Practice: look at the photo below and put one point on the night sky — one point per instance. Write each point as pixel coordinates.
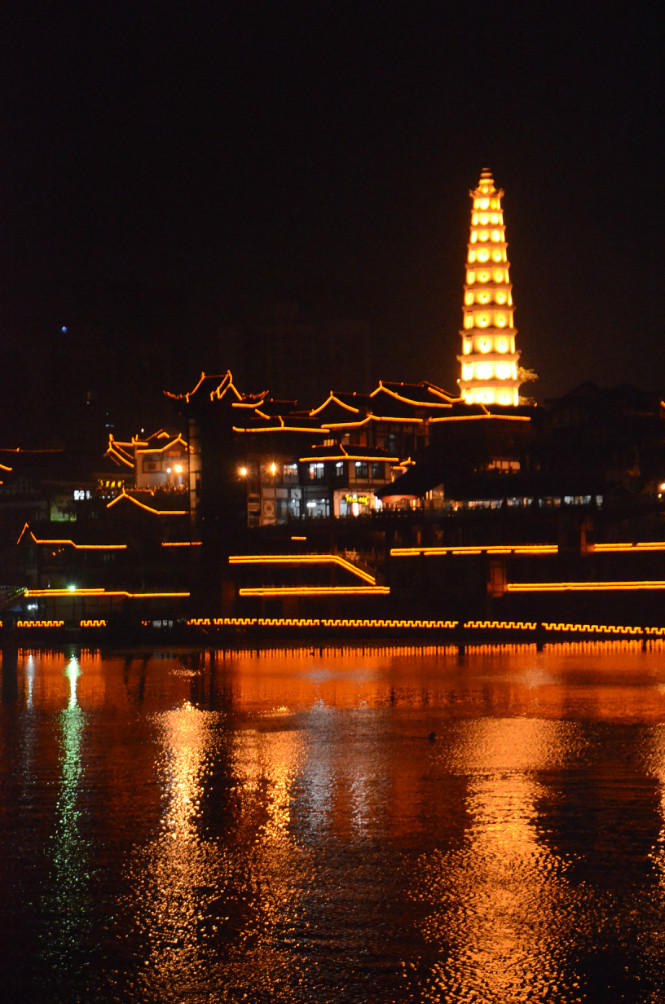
(170, 167)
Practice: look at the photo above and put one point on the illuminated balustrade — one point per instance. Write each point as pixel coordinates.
(577, 587)
(490, 549)
(75, 593)
(301, 559)
(314, 591)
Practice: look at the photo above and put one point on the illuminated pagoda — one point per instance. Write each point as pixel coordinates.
(489, 360)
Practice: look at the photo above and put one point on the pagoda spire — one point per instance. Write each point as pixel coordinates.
(489, 360)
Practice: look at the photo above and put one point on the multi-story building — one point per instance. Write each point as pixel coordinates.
(489, 360)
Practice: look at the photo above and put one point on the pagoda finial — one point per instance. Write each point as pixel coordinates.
(489, 360)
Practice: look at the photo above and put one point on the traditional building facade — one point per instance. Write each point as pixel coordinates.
(489, 360)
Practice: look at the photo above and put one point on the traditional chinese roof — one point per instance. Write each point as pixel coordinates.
(423, 394)
(388, 402)
(217, 388)
(260, 422)
(162, 504)
(340, 452)
(85, 535)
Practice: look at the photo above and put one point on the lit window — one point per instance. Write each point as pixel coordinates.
(503, 370)
(500, 297)
(474, 237)
(472, 255)
(483, 277)
(483, 254)
(468, 298)
(484, 345)
(484, 297)
(484, 371)
(496, 236)
(483, 320)
(498, 275)
(468, 321)
(497, 255)
(484, 203)
(467, 346)
(501, 345)
(483, 235)
(500, 320)
(470, 277)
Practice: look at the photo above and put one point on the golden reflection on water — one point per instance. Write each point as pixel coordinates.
(66, 898)
(175, 873)
(655, 764)
(303, 809)
(499, 901)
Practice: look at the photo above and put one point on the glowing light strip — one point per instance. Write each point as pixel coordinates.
(328, 622)
(612, 629)
(300, 559)
(656, 545)
(502, 625)
(181, 543)
(516, 549)
(281, 428)
(655, 633)
(39, 624)
(79, 547)
(408, 400)
(312, 459)
(74, 593)
(472, 418)
(315, 591)
(332, 398)
(162, 449)
(119, 456)
(148, 508)
(577, 587)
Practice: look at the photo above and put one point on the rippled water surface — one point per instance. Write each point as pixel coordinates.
(361, 825)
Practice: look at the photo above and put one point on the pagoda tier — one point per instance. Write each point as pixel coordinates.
(489, 360)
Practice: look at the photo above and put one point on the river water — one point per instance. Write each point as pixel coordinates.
(337, 825)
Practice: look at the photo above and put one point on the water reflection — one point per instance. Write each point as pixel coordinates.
(177, 874)
(386, 824)
(500, 903)
(67, 899)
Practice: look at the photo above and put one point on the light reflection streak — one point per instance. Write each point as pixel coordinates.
(174, 871)
(30, 677)
(498, 902)
(67, 899)
(198, 892)
(656, 767)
